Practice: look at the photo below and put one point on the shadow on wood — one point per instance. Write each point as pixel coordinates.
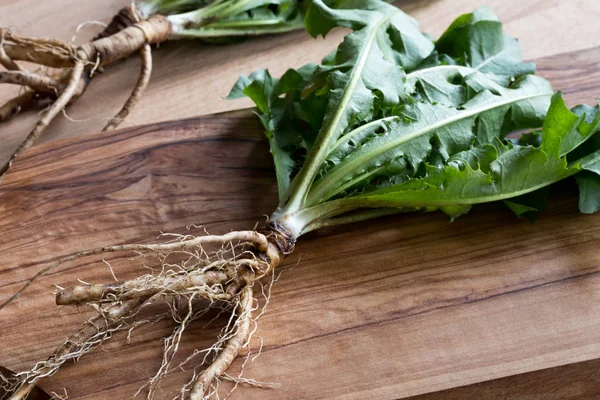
(36, 394)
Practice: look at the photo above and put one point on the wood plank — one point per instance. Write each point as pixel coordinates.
(196, 77)
(578, 381)
(398, 307)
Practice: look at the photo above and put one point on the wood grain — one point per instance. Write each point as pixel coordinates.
(578, 381)
(191, 78)
(399, 307)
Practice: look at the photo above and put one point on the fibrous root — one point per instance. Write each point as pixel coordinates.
(201, 278)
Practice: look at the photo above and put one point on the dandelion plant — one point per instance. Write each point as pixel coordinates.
(392, 121)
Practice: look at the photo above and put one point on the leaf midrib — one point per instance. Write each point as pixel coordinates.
(468, 201)
(335, 175)
(312, 164)
(459, 68)
(412, 75)
(571, 169)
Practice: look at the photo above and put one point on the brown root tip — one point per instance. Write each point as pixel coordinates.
(63, 297)
(123, 19)
(22, 102)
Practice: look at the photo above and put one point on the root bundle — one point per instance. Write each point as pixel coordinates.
(65, 71)
(222, 278)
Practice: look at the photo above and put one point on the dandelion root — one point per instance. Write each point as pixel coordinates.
(224, 276)
(127, 34)
(49, 114)
(92, 333)
(231, 350)
(138, 91)
(142, 287)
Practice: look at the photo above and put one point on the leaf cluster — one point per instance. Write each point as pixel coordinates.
(227, 20)
(394, 119)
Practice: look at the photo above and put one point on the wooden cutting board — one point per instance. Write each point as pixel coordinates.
(397, 307)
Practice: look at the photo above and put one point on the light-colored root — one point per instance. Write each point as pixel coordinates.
(215, 281)
(45, 52)
(49, 114)
(171, 343)
(37, 82)
(138, 91)
(224, 276)
(22, 392)
(93, 332)
(217, 368)
(156, 29)
(146, 286)
(251, 382)
(254, 238)
(5, 60)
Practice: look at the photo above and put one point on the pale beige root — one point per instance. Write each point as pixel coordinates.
(171, 343)
(213, 279)
(37, 82)
(93, 332)
(49, 114)
(225, 277)
(239, 379)
(138, 91)
(5, 60)
(46, 90)
(22, 392)
(217, 368)
(251, 382)
(257, 239)
(155, 29)
(146, 286)
(49, 53)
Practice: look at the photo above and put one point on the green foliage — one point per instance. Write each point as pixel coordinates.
(169, 7)
(501, 171)
(357, 82)
(219, 20)
(425, 133)
(589, 192)
(477, 40)
(290, 117)
(394, 119)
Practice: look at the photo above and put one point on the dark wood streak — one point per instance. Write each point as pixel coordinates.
(410, 313)
(578, 381)
(397, 307)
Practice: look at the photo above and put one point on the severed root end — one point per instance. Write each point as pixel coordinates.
(224, 277)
